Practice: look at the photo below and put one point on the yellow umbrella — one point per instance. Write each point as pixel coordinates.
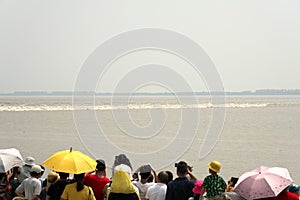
(69, 161)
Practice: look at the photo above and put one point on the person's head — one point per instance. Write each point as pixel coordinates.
(79, 180)
(145, 175)
(121, 159)
(214, 167)
(63, 175)
(145, 172)
(170, 176)
(222, 196)
(52, 177)
(135, 176)
(124, 168)
(29, 161)
(121, 182)
(182, 169)
(100, 165)
(16, 171)
(295, 189)
(162, 177)
(35, 171)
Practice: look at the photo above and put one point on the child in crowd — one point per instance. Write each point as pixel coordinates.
(213, 183)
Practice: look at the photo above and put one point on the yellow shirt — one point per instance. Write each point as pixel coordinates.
(71, 193)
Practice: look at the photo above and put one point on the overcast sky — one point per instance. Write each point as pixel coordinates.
(255, 44)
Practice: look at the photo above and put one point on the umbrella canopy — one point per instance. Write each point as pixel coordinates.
(263, 182)
(69, 161)
(10, 158)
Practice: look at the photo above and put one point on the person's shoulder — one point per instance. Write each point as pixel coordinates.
(292, 196)
(150, 184)
(105, 179)
(71, 185)
(151, 187)
(192, 182)
(208, 176)
(137, 183)
(134, 182)
(89, 176)
(160, 185)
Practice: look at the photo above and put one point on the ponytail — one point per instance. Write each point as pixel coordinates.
(79, 180)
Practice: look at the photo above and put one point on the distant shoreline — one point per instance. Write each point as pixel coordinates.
(244, 93)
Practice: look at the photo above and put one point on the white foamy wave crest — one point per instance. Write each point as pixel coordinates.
(21, 108)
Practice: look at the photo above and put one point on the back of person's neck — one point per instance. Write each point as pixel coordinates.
(181, 175)
(100, 174)
(143, 181)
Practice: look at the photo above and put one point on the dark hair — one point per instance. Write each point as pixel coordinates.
(145, 175)
(100, 165)
(63, 175)
(182, 167)
(79, 180)
(34, 174)
(170, 176)
(163, 177)
(15, 171)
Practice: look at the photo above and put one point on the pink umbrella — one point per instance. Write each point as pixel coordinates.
(263, 182)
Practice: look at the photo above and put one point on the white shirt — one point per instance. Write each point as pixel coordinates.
(31, 186)
(142, 188)
(157, 192)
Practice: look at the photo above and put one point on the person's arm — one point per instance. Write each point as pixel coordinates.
(19, 190)
(154, 174)
(204, 186)
(192, 176)
(229, 187)
(8, 175)
(105, 189)
(201, 194)
(19, 194)
(35, 197)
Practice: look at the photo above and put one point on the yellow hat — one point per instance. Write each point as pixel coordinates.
(215, 166)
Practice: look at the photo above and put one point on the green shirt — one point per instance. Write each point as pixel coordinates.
(214, 185)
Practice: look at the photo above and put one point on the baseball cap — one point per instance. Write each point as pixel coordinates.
(36, 169)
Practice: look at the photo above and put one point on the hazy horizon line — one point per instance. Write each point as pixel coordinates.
(81, 93)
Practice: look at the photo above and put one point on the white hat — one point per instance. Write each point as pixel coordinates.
(29, 161)
(36, 169)
(124, 167)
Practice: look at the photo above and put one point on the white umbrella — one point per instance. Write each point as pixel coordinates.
(10, 158)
